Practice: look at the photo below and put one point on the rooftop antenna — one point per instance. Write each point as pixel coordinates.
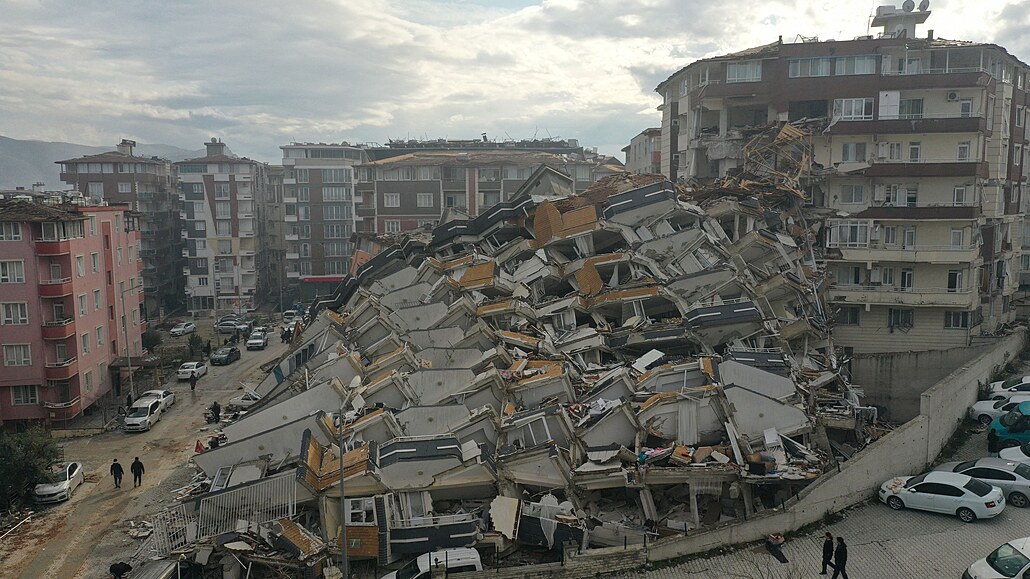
(869, 22)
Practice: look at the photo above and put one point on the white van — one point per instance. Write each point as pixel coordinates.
(289, 316)
(454, 560)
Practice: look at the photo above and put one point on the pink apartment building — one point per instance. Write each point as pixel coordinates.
(70, 291)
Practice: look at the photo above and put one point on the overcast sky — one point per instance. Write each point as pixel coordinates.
(259, 74)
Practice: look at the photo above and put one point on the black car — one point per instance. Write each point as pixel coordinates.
(225, 355)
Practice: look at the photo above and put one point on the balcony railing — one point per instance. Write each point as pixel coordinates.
(898, 289)
(62, 363)
(434, 520)
(947, 70)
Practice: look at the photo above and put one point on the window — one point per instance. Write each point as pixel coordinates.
(963, 151)
(852, 193)
(1017, 154)
(88, 375)
(223, 210)
(338, 248)
(12, 272)
(454, 174)
(22, 395)
(910, 238)
(92, 225)
(100, 336)
(803, 67)
(202, 281)
(96, 299)
(305, 250)
(124, 187)
(848, 316)
(335, 231)
(392, 226)
(304, 212)
(848, 234)
(455, 200)
(907, 278)
(96, 190)
(391, 200)
(334, 268)
(80, 265)
(857, 109)
(304, 194)
(747, 71)
(900, 318)
(221, 190)
(15, 313)
(853, 152)
(225, 247)
(887, 276)
(956, 319)
(848, 65)
(965, 107)
(428, 222)
(336, 194)
(1020, 116)
(118, 253)
(10, 231)
(82, 305)
(302, 175)
(914, 150)
(424, 200)
(910, 109)
(223, 228)
(361, 510)
(17, 355)
(890, 235)
(957, 237)
(336, 212)
(336, 175)
(955, 280)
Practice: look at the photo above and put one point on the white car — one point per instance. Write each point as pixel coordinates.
(457, 560)
(986, 411)
(1009, 560)
(244, 401)
(143, 415)
(183, 329)
(1004, 389)
(188, 369)
(1011, 477)
(66, 478)
(166, 397)
(257, 341)
(1020, 454)
(944, 492)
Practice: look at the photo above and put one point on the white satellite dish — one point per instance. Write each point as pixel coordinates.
(908, 6)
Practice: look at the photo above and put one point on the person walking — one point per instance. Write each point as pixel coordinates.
(993, 448)
(827, 553)
(137, 472)
(117, 471)
(840, 559)
(216, 410)
(193, 381)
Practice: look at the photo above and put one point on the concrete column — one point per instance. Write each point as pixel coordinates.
(693, 507)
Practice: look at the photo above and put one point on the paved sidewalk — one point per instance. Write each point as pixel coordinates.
(882, 544)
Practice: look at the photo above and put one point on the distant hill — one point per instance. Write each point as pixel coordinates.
(23, 163)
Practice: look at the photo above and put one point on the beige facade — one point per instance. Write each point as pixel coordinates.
(644, 154)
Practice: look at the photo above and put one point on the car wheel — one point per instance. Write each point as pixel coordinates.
(148, 426)
(1018, 500)
(966, 515)
(895, 503)
(1010, 444)
(984, 419)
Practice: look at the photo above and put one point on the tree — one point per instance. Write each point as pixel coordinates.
(26, 458)
(195, 344)
(151, 339)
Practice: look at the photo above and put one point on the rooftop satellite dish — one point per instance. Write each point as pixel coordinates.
(908, 6)
(924, 5)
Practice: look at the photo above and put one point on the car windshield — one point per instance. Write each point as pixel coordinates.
(409, 570)
(964, 465)
(978, 487)
(914, 481)
(1009, 420)
(59, 476)
(1023, 471)
(1025, 449)
(999, 404)
(1007, 560)
(222, 352)
(1012, 382)
(139, 412)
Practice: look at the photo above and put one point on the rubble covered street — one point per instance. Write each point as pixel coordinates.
(630, 363)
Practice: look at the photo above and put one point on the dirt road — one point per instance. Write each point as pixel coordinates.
(82, 537)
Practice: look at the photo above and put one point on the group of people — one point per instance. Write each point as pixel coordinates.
(835, 558)
(136, 468)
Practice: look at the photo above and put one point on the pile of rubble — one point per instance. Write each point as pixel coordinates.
(638, 361)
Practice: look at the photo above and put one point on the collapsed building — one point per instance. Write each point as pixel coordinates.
(633, 362)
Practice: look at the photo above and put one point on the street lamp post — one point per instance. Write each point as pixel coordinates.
(125, 330)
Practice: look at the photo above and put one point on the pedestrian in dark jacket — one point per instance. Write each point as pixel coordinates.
(216, 410)
(137, 472)
(992, 442)
(827, 553)
(840, 559)
(117, 471)
(193, 382)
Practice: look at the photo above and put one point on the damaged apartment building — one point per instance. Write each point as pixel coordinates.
(919, 150)
(609, 367)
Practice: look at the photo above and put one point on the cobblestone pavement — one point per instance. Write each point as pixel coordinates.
(882, 543)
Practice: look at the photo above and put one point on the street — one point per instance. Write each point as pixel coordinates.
(84, 536)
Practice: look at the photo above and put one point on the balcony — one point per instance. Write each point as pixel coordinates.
(290, 200)
(227, 290)
(929, 168)
(53, 247)
(247, 252)
(62, 370)
(63, 410)
(147, 252)
(59, 329)
(55, 288)
(290, 218)
(292, 255)
(879, 252)
(293, 275)
(926, 123)
(292, 237)
(889, 295)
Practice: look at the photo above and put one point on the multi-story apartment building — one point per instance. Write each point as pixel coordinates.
(146, 185)
(319, 215)
(71, 298)
(271, 262)
(219, 193)
(644, 152)
(918, 147)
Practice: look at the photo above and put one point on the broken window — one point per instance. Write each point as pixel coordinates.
(361, 510)
(900, 318)
(848, 316)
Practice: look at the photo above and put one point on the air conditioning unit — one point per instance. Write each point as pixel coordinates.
(952, 96)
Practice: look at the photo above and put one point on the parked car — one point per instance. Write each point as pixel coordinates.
(1011, 477)
(986, 411)
(1019, 453)
(183, 329)
(166, 397)
(244, 401)
(1013, 429)
(225, 355)
(1006, 388)
(232, 326)
(64, 479)
(1009, 560)
(289, 316)
(188, 369)
(944, 492)
(457, 560)
(257, 341)
(143, 415)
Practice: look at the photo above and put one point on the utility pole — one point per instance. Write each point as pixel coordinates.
(125, 330)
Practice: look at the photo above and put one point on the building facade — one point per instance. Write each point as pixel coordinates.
(219, 193)
(644, 152)
(72, 303)
(146, 185)
(918, 147)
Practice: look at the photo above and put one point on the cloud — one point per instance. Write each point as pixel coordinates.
(259, 73)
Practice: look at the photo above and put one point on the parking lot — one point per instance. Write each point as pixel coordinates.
(882, 543)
